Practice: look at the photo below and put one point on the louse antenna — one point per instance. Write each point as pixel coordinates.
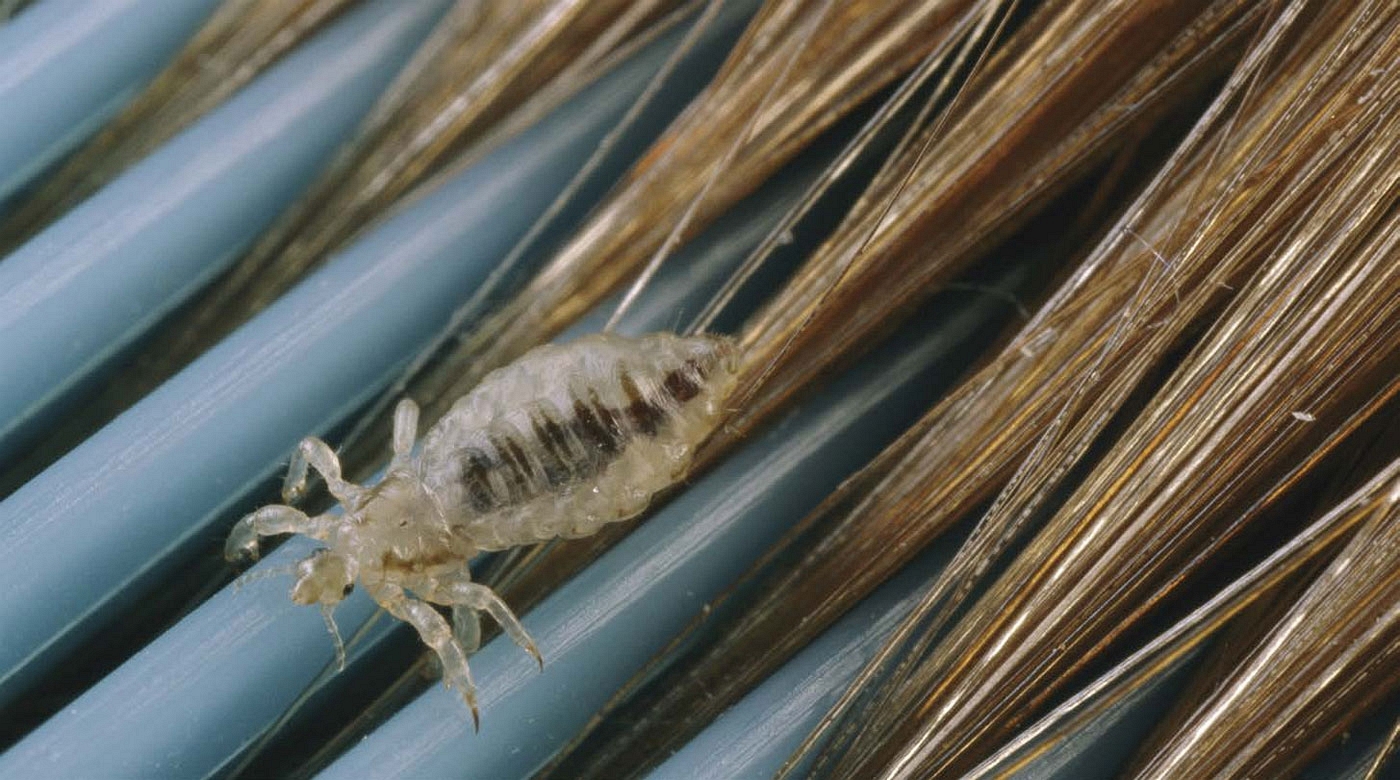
(833, 173)
(970, 43)
(328, 615)
(546, 220)
(674, 237)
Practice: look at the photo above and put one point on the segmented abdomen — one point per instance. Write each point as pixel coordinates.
(569, 438)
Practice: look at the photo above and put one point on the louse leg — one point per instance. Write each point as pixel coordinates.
(466, 626)
(405, 431)
(271, 520)
(436, 634)
(472, 595)
(318, 455)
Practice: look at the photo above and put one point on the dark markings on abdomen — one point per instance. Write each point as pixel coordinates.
(571, 450)
(680, 385)
(515, 468)
(596, 427)
(645, 415)
(476, 466)
(558, 456)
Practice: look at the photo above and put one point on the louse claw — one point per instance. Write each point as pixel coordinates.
(242, 543)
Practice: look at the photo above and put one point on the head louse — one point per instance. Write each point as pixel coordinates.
(557, 444)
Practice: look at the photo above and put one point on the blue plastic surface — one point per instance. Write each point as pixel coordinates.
(66, 66)
(77, 293)
(81, 539)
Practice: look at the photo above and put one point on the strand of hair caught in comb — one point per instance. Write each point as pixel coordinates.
(934, 609)
(985, 22)
(674, 237)
(833, 173)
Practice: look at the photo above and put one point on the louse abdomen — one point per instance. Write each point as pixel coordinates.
(570, 438)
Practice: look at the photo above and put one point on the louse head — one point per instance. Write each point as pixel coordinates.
(324, 577)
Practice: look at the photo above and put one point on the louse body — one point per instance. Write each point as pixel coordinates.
(561, 442)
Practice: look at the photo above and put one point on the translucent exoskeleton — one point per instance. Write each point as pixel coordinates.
(557, 444)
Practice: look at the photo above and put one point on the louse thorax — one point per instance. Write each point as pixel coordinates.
(398, 524)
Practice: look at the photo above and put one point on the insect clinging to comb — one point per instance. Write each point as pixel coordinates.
(557, 444)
